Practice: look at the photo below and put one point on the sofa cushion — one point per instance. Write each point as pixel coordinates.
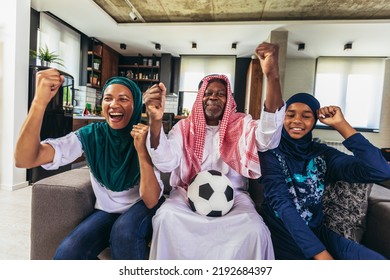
(58, 204)
(345, 208)
(377, 234)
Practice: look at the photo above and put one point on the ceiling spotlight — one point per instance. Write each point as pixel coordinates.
(234, 46)
(301, 46)
(194, 46)
(133, 16)
(348, 47)
(122, 46)
(157, 46)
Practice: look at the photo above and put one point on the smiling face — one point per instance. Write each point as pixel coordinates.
(214, 101)
(117, 105)
(299, 120)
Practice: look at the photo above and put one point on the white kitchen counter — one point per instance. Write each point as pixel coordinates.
(89, 117)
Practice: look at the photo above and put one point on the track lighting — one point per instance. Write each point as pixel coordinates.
(133, 16)
(234, 46)
(194, 46)
(157, 46)
(301, 46)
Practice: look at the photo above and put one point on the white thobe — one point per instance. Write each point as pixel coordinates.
(180, 233)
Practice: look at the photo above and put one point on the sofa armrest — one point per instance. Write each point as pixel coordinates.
(377, 235)
(58, 204)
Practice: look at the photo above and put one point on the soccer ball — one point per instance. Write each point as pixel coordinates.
(210, 193)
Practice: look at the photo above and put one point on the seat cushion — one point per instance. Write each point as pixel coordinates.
(58, 204)
(345, 207)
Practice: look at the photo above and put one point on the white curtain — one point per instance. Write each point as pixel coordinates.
(194, 68)
(63, 41)
(355, 84)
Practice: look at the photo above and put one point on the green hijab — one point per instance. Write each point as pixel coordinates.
(110, 153)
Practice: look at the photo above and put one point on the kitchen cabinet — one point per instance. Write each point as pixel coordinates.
(110, 62)
(94, 66)
(81, 121)
(145, 71)
(102, 63)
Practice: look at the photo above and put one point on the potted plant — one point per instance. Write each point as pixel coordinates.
(94, 79)
(98, 110)
(96, 63)
(46, 57)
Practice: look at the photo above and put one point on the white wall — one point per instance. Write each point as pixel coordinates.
(299, 77)
(14, 51)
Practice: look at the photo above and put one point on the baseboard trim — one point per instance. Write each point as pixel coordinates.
(14, 187)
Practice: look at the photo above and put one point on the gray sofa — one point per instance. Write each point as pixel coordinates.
(58, 204)
(62, 201)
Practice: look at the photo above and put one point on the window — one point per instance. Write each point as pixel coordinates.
(355, 85)
(63, 41)
(194, 68)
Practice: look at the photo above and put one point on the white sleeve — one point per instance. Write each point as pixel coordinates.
(67, 149)
(160, 182)
(167, 156)
(269, 129)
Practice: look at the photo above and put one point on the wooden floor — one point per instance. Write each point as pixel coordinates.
(15, 220)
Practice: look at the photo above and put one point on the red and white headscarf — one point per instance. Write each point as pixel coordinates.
(237, 150)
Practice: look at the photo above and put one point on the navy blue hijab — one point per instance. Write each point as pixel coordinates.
(303, 148)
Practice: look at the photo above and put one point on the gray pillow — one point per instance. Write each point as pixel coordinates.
(345, 208)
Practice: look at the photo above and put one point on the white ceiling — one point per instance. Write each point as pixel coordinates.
(322, 38)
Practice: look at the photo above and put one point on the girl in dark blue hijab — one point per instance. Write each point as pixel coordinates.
(294, 177)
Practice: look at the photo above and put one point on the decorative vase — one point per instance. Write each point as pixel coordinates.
(45, 63)
(94, 81)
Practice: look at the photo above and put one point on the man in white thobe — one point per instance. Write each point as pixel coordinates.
(214, 137)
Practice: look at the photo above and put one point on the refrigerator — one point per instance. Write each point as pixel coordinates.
(58, 118)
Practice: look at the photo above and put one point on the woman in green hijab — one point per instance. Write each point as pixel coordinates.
(128, 189)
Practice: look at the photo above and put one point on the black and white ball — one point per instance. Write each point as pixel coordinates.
(210, 193)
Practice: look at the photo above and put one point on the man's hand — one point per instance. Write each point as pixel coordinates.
(268, 55)
(47, 84)
(154, 99)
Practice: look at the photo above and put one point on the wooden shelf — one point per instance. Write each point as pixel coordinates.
(144, 80)
(93, 69)
(93, 86)
(139, 66)
(145, 75)
(94, 54)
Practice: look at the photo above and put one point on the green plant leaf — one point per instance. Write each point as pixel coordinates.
(46, 55)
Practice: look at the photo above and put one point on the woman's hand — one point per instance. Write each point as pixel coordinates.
(324, 255)
(139, 133)
(332, 116)
(149, 186)
(47, 84)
